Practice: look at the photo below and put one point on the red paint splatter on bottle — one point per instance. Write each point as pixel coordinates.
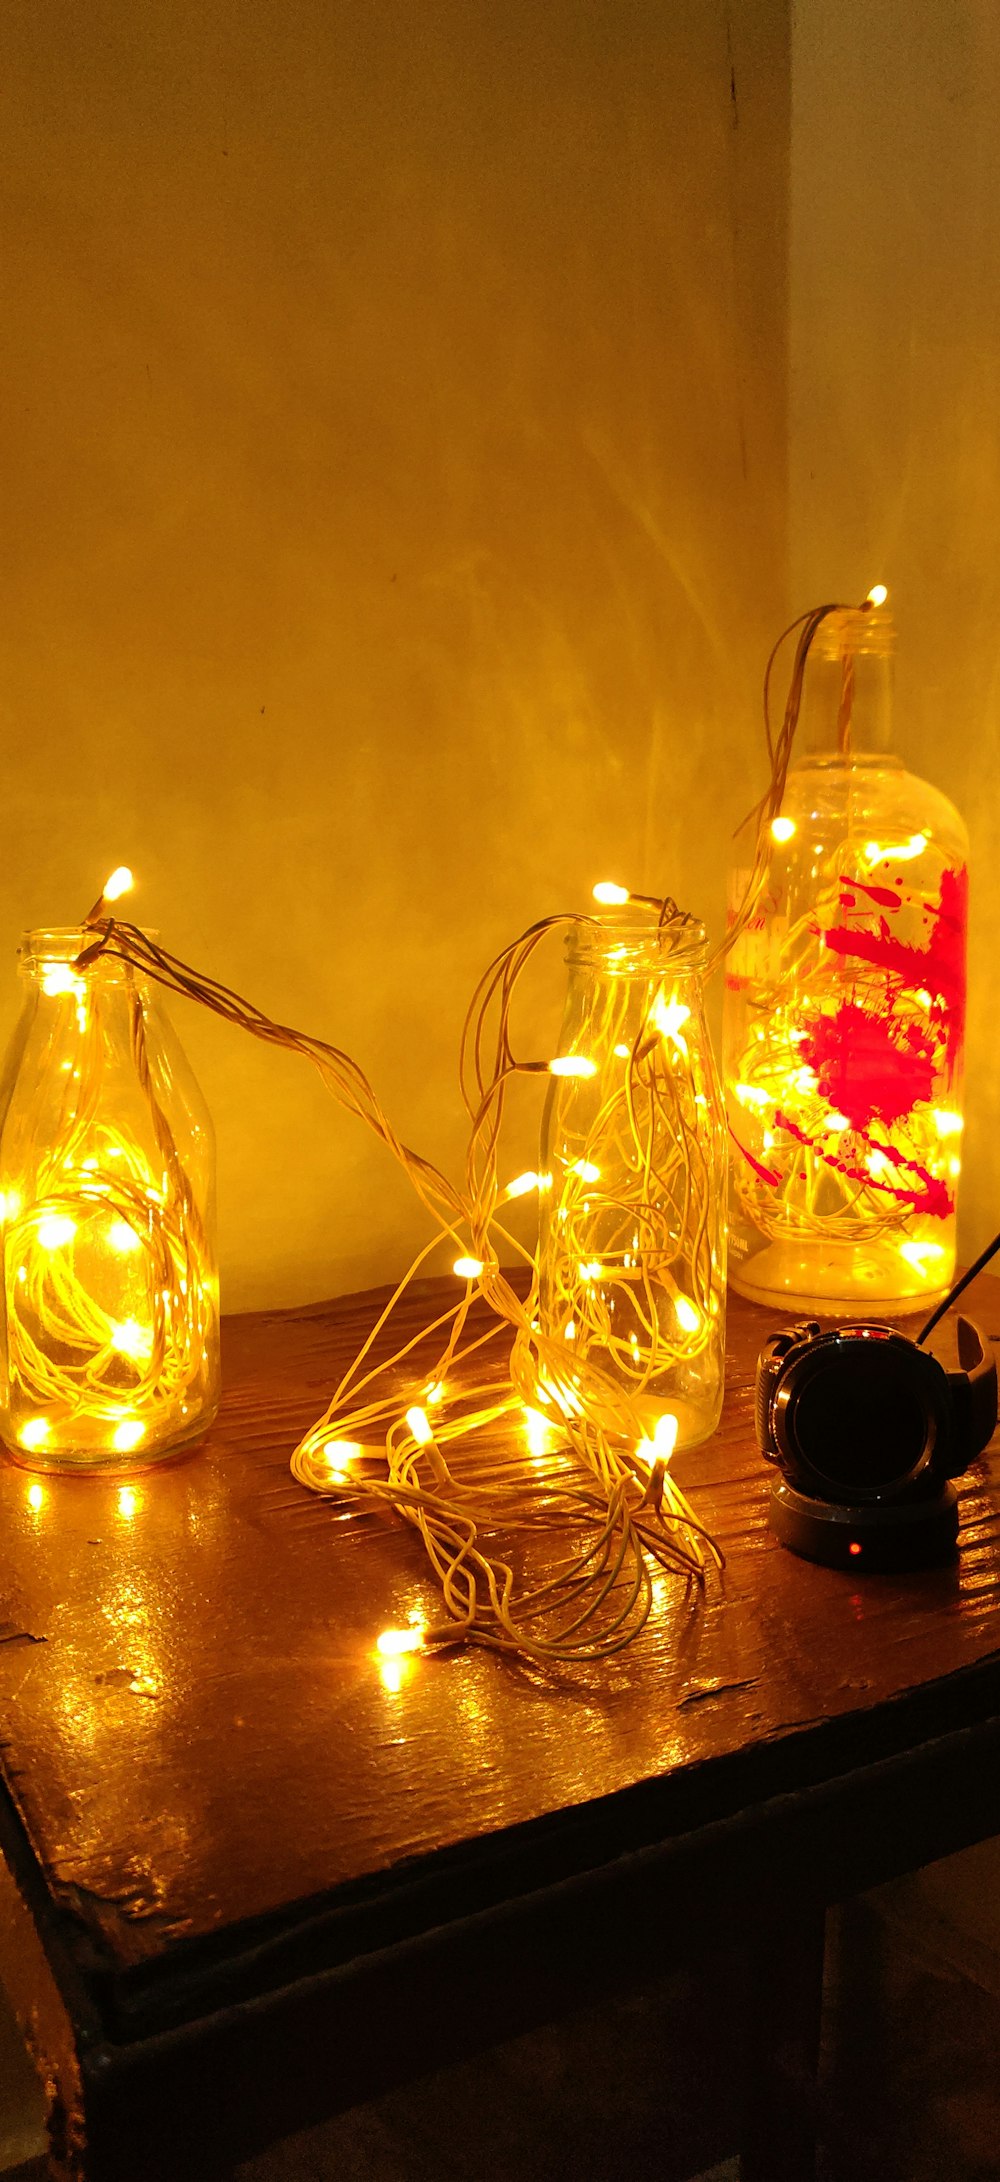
(925, 1194)
(938, 968)
(766, 1174)
(867, 1067)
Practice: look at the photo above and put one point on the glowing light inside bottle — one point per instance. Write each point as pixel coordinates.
(131, 1339)
(60, 979)
(921, 1255)
(128, 1435)
(668, 1017)
(123, 1237)
(55, 1231)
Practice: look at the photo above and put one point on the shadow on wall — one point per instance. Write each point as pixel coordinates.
(395, 513)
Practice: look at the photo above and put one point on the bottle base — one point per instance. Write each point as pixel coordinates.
(97, 1462)
(782, 1279)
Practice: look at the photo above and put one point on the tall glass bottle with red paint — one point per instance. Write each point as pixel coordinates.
(845, 1012)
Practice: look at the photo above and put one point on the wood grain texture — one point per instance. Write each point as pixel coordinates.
(202, 1759)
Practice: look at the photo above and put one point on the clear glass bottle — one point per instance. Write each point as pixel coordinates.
(632, 1243)
(845, 1010)
(109, 1342)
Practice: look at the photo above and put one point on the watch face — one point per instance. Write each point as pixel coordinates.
(858, 1418)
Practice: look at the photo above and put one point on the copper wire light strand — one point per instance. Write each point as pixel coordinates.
(456, 1481)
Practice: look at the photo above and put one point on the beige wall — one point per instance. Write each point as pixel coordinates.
(393, 517)
(895, 411)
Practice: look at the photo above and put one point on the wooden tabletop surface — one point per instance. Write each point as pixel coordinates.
(196, 1732)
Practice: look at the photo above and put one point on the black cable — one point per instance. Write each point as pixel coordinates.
(953, 1295)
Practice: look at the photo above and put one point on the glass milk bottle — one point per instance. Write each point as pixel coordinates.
(632, 1249)
(109, 1343)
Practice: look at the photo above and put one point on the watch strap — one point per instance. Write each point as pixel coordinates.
(973, 1391)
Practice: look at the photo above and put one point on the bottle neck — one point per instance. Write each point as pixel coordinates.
(630, 945)
(49, 960)
(847, 692)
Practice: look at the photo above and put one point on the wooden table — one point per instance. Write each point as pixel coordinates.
(247, 1884)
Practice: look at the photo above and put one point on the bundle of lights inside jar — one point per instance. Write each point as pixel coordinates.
(105, 1265)
(805, 1168)
(840, 1176)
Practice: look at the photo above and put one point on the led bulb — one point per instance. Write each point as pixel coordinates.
(782, 829)
(121, 882)
(667, 1016)
(877, 595)
(131, 1339)
(417, 1422)
(60, 979)
(128, 1434)
(687, 1314)
(664, 1440)
(536, 1431)
(35, 1433)
(468, 1268)
(522, 1183)
(612, 896)
(921, 1255)
(393, 1642)
(340, 1454)
(55, 1230)
(123, 1237)
(572, 1064)
(751, 1094)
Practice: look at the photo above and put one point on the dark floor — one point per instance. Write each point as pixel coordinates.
(646, 2086)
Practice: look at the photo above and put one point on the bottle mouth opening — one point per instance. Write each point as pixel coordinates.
(851, 633)
(629, 940)
(62, 944)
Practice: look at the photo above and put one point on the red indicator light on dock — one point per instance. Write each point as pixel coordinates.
(854, 1547)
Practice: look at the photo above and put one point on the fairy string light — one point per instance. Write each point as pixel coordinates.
(631, 1246)
(593, 1470)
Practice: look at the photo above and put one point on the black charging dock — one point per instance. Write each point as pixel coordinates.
(907, 1534)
